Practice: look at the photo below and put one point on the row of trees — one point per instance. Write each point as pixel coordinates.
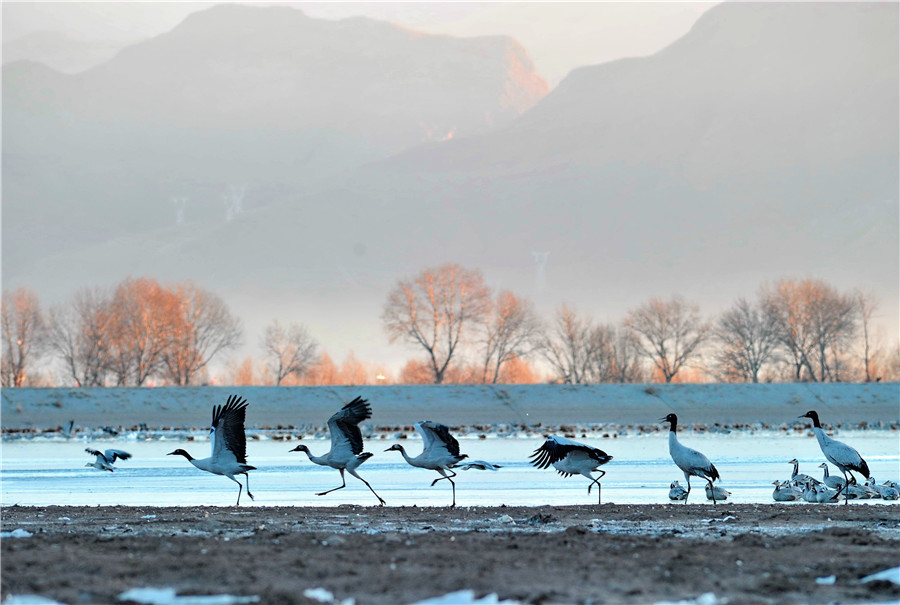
(802, 330)
(142, 333)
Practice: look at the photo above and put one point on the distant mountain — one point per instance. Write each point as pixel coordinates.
(763, 144)
(61, 52)
(236, 98)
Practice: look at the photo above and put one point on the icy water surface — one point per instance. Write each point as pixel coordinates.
(42, 472)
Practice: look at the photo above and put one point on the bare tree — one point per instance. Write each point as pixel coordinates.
(669, 333)
(205, 328)
(78, 336)
(624, 353)
(866, 304)
(512, 331)
(570, 346)
(436, 310)
(815, 323)
(747, 340)
(288, 351)
(23, 328)
(142, 318)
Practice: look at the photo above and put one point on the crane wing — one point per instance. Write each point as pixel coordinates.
(344, 426)
(556, 448)
(227, 431)
(437, 439)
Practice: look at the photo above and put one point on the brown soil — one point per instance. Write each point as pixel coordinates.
(578, 554)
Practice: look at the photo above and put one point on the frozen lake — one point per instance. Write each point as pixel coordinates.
(52, 472)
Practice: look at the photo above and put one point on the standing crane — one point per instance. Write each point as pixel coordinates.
(571, 458)
(440, 452)
(691, 462)
(346, 451)
(104, 460)
(839, 454)
(229, 444)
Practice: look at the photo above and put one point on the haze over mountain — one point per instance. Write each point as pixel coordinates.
(763, 144)
(235, 96)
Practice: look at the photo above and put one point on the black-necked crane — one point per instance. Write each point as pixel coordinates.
(229, 444)
(104, 460)
(691, 462)
(440, 452)
(346, 453)
(838, 453)
(572, 458)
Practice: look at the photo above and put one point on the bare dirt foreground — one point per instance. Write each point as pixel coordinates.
(578, 554)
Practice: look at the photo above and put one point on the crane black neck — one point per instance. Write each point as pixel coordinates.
(815, 418)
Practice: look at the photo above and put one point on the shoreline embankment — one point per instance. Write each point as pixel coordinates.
(868, 405)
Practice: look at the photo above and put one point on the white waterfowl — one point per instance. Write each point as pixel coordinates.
(785, 492)
(677, 492)
(104, 461)
(229, 444)
(809, 493)
(832, 481)
(691, 462)
(440, 452)
(480, 465)
(889, 491)
(800, 478)
(838, 453)
(346, 453)
(719, 494)
(825, 495)
(571, 458)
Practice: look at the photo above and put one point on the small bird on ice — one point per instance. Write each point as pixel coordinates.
(104, 460)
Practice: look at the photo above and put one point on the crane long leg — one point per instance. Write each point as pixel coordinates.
(688, 477)
(343, 481)
(247, 480)
(712, 490)
(845, 488)
(240, 488)
(441, 471)
(367, 485)
(448, 478)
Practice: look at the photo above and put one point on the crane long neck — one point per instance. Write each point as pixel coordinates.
(315, 459)
(405, 455)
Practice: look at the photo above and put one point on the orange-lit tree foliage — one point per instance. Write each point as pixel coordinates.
(23, 328)
(437, 310)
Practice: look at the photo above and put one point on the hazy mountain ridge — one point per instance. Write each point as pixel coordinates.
(237, 95)
(59, 51)
(762, 144)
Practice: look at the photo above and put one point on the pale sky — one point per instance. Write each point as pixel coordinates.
(559, 36)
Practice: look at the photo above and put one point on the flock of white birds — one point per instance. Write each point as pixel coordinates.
(441, 453)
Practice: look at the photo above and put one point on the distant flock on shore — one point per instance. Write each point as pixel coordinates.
(441, 453)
